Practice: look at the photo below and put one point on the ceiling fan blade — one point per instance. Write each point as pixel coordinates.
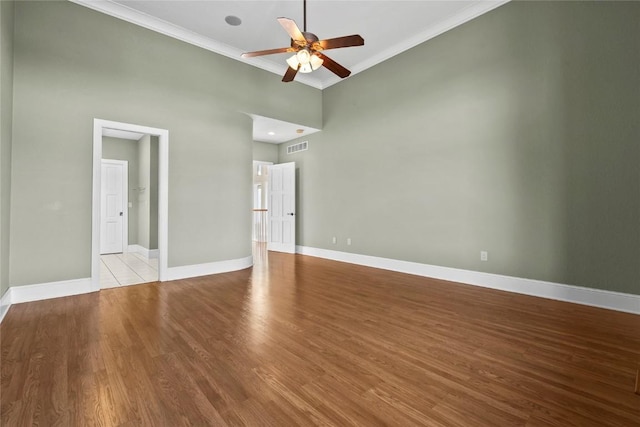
(346, 41)
(268, 52)
(290, 74)
(292, 29)
(333, 66)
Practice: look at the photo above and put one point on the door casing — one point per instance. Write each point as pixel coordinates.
(163, 194)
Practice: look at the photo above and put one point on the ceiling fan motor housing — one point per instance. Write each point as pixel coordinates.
(310, 39)
(308, 50)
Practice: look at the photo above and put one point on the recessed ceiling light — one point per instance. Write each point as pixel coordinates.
(233, 20)
(299, 130)
(272, 133)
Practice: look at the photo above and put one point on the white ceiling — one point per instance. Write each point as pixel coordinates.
(388, 27)
(266, 129)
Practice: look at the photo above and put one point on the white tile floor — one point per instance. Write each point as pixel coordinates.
(127, 269)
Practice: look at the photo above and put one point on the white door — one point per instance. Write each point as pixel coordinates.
(282, 208)
(112, 207)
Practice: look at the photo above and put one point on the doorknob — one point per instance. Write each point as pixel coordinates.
(120, 213)
(291, 213)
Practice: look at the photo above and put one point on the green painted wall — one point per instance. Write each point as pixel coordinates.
(6, 115)
(265, 152)
(72, 65)
(517, 133)
(126, 149)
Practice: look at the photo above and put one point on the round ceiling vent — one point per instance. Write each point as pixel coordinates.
(233, 20)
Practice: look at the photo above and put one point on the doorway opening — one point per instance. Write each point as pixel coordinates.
(145, 240)
(129, 209)
(260, 221)
(274, 205)
(259, 231)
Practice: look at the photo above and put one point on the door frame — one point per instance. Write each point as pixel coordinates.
(163, 194)
(125, 200)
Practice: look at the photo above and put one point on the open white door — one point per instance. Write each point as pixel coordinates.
(112, 212)
(282, 208)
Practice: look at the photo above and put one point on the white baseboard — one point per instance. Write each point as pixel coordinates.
(5, 303)
(576, 294)
(49, 290)
(42, 291)
(147, 253)
(187, 271)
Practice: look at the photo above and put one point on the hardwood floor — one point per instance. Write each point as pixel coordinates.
(305, 341)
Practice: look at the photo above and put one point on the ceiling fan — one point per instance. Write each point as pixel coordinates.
(308, 50)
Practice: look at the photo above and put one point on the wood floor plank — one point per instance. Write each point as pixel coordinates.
(303, 341)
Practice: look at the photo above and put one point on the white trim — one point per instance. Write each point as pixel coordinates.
(163, 27)
(471, 12)
(147, 253)
(42, 291)
(196, 270)
(5, 304)
(168, 29)
(163, 194)
(618, 301)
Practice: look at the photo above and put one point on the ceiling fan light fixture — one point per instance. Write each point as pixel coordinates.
(305, 68)
(316, 62)
(307, 47)
(305, 61)
(304, 56)
(293, 62)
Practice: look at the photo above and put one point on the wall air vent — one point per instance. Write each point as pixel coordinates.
(300, 146)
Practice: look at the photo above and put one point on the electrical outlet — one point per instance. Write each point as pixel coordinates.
(484, 256)
(349, 241)
(334, 240)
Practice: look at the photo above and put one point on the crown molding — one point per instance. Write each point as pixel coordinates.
(168, 29)
(163, 27)
(457, 19)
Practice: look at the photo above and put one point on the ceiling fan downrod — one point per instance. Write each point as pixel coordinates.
(308, 50)
(304, 12)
